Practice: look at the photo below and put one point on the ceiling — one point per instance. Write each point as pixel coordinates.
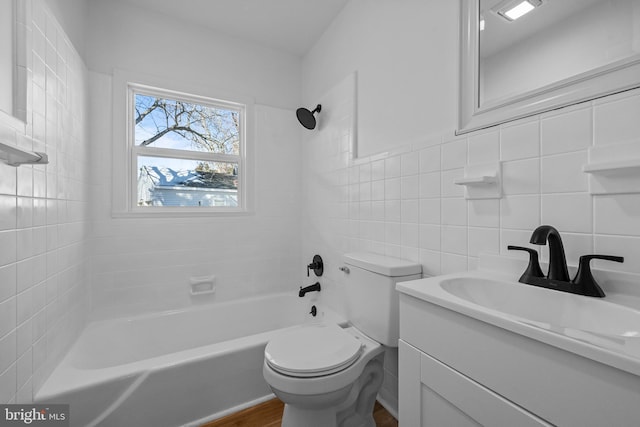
(289, 25)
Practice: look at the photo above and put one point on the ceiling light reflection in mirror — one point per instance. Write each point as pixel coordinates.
(554, 41)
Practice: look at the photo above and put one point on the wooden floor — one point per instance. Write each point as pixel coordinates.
(269, 414)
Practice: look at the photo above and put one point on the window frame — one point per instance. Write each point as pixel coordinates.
(125, 181)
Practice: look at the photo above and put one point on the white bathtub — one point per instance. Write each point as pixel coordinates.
(174, 368)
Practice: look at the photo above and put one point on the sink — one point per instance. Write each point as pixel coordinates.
(545, 308)
(602, 329)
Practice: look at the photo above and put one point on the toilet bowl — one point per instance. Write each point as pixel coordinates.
(326, 375)
(329, 376)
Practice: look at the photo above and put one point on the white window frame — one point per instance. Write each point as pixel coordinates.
(125, 154)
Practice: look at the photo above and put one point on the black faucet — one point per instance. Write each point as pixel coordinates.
(558, 276)
(557, 260)
(310, 288)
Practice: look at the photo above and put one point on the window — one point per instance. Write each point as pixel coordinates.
(187, 152)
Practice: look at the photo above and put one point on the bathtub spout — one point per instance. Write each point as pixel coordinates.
(310, 288)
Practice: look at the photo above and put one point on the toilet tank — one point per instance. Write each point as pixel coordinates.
(372, 300)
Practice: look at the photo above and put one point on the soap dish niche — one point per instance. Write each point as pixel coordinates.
(204, 285)
(482, 181)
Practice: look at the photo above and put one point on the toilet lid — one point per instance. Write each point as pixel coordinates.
(312, 350)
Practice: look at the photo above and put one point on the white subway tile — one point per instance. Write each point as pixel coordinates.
(8, 212)
(392, 210)
(392, 167)
(8, 254)
(454, 240)
(365, 172)
(627, 247)
(454, 154)
(377, 170)
(451, 263)
(484, 213)
(430, 261)
(617, 121)
(570, 212)
(618, 214)
(430, 159)
(566, 132)
(449, 189)
(8, 384)
(485, 240)
(410, 187)
(430, 184)
(563, 173)
(392, 189)
(7, 350)
(410, 211)
(484, 148)
(410, 235)
(410, 164)
(521, 141)
(430, 211)
(393, 233)
(454, 211)
(377, 190)
(521, 177)
(430, 237)
(520, 212)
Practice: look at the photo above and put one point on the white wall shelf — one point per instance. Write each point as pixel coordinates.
(14, 156)
(614, 168)
(482, 181)
(476, 180)
(621, 166)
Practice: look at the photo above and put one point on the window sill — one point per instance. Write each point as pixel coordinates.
(182, 212)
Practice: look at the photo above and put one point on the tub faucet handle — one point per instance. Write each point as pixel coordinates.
(317, 266)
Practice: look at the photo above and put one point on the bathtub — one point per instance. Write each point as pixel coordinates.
(179, 368)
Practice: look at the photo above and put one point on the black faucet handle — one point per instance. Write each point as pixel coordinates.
(533, 269)
(317, 266)
(585, 281)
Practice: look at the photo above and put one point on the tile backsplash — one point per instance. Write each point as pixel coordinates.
(43, 213)
(404, 203)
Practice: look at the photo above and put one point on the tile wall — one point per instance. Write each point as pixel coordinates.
(142, 265)
(43, 212)
(404, 203)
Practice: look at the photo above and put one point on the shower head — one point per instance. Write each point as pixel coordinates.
(306, 117)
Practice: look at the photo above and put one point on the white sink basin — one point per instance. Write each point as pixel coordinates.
(603, 329)
(545, 308)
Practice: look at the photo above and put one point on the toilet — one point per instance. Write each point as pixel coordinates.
(328, 375)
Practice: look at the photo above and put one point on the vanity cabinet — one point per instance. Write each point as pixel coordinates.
(455, 370)
(436, 396)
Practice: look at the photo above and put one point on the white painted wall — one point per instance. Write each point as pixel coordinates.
(125, 36)
(144, 264)
(402, 202)
(73, 16)
(44, 216)
(406, 57)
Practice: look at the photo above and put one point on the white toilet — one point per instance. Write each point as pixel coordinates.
(328, 375)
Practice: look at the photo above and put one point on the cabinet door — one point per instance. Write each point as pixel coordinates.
(437, 396)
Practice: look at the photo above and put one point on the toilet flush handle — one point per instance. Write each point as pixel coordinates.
(344, 269)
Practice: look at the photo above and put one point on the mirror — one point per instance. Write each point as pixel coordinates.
(560, 53)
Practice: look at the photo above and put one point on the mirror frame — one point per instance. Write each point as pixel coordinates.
(612, 78)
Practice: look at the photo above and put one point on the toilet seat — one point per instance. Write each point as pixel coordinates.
(313, 351)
